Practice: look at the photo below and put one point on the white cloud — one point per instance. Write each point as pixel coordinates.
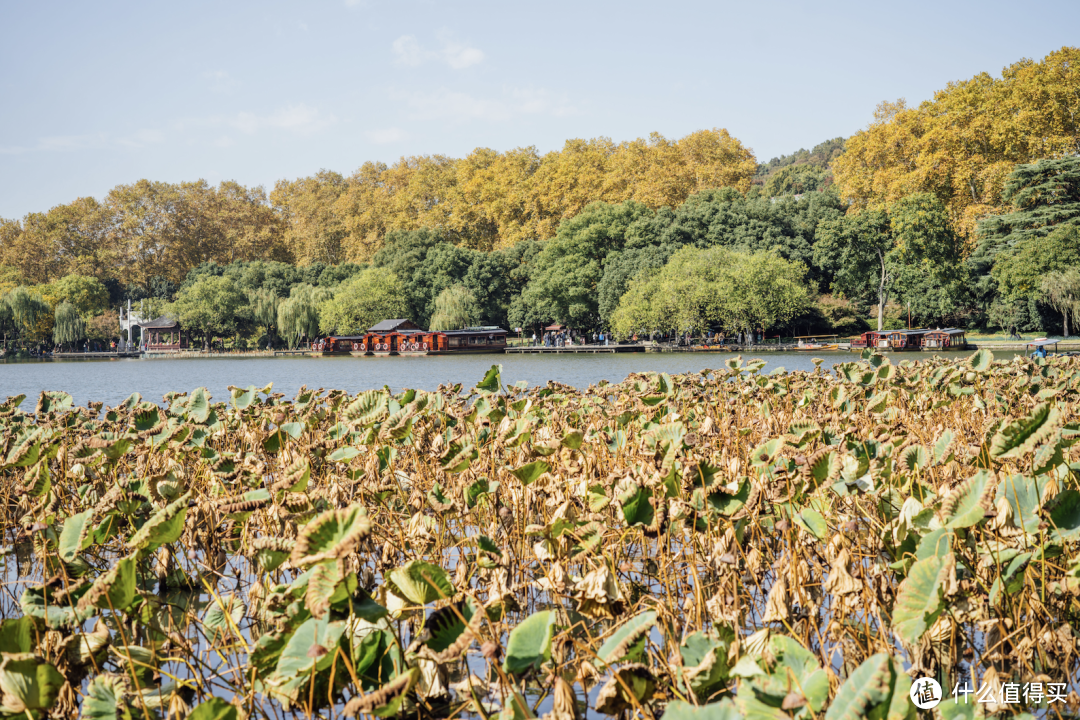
(300, 119)
(459, 56)
(514, 102)
(409, 52)
(386, 135)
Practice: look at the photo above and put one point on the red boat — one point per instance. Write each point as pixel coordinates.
(402, 337)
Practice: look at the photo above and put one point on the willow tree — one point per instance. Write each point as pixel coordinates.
(68, 325)
(264, 310)
(298, 316)
(27, 307)
(455, 308)
(1062, 292)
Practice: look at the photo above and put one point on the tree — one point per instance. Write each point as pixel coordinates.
(359, 303)
(871, 251)
(858, 249)
(104, 327)
(209, 307)
(27, 309)
(699, 288)
(563, 285)
(961, 145)
(455, 308)
(264, 311)
(1044, 196)
(764, 290)
(1062, 292)
(87, 294)
(298, 316)
(68, 326)
(1016, 276)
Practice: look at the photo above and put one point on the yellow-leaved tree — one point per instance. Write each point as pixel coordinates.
(961, 145)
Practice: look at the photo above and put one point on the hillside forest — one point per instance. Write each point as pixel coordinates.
(961, 211)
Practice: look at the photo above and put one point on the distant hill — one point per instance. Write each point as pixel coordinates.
(801, 171)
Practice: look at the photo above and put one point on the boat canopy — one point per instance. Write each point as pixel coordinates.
(1042, 342)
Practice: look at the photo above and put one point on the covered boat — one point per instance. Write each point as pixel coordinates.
(901, 339)
(336, 344)
(471, 340)
(946, 339)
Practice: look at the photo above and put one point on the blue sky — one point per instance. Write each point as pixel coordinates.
(105, 93)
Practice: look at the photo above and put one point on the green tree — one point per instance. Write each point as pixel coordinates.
(1017, 274)
(263, 304)
(870, 251)
(455, 308)
(764, 291)
(87, 294)
(298, 316)
(362, 301)
(858, 250)
(563, 286)
(1062, 292)
(27, 309)
(209, 308)
(699, 288)
(68, 325)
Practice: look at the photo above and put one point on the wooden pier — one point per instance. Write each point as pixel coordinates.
(574, 349)
(98, 355)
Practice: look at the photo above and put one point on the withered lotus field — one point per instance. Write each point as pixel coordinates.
(707, 546)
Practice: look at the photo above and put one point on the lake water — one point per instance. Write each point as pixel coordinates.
(110, 381)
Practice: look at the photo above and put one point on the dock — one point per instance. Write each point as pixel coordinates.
(89, 355)
(574, 349)
(657, 348)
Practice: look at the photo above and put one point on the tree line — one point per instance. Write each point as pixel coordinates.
(962, 211)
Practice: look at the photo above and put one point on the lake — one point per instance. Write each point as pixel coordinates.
(110, 381)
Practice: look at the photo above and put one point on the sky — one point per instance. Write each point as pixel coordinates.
(94, 95)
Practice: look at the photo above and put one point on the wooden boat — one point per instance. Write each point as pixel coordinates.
(947, 339)
(334, 345)
(402, 337)
(810, 343)
(867, 340)
(471, 341)
(900, 339)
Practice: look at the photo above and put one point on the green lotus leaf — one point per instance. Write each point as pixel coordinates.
(331, 536)
(872, 685)
(223, 616)
(530, 473)
(28, 684)
(964, 508)
(1021, 437)
(723, 710)
(163, 527)
(421, 582)
(981, 361)
(214, 708)
(114, 589)
(492, 381)
(529, 645)
(627, 642)
(919, 599)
